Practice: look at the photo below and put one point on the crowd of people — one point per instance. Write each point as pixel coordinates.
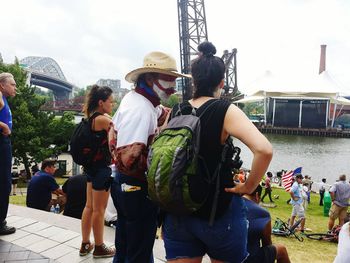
(240, 230)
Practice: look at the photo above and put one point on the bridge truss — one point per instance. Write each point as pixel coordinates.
(45, 72)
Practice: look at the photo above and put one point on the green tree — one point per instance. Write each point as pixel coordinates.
(81, 92)
(36, 134)
(48, 95)
(253, 108)
(172, 101)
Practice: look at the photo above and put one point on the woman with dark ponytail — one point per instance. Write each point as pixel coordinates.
(189, 238)
(98, 106)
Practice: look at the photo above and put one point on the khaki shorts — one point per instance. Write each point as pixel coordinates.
(337, 211)
(298, 210)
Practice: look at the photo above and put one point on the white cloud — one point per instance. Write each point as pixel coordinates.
(105, 39)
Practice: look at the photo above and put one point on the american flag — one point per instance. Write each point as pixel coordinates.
(287, 178)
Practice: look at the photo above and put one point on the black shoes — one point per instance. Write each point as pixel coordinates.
(6, 230)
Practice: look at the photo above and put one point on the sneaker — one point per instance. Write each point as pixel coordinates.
(7, 230)
(86, 248)
(103, 251)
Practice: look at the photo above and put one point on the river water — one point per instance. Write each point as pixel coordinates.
(319, 157)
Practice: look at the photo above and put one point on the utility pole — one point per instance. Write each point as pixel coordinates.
(192, 32)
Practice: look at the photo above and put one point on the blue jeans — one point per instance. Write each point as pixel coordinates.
(137, 220)
(225, 240)
(5, 175)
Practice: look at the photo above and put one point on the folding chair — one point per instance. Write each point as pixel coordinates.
(280, 228)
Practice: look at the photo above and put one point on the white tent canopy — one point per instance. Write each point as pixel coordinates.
(319, 86)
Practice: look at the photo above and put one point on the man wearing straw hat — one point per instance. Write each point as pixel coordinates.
(7, 89)
(135, 124)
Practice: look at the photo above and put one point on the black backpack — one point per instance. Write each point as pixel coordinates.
(83, 144)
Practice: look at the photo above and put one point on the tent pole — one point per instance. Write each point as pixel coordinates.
(342, 106)
(334, 110)
(273, 113)
(327, 110)
(265, 107)
(300, 112)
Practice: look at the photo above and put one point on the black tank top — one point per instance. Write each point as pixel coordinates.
(212, 122)
(103, 155)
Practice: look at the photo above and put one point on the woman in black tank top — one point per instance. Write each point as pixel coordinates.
(98, 105)
(189, 238)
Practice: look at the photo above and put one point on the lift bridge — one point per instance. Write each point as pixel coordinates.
(45, 72)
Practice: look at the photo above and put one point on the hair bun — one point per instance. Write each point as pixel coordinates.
(207, 48)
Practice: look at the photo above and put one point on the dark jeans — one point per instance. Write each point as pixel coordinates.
(267, 192)
(137, 220)
(321, 197)
(5, 175)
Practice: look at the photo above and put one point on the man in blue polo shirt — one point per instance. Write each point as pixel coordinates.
(340, 195)
(7, 89)
(297, 201)
(42, 186)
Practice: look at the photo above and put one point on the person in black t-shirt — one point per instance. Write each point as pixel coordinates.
(259, 232)
(75, 190)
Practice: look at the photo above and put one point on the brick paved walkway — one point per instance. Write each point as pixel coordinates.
(12, 253)
(47, 237)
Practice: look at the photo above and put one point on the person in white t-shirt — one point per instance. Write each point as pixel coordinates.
(343, 254)
(322, 190)
(305, 192)
(135, 125)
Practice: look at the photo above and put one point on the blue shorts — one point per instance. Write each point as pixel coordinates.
(100, 178)
(225, 240)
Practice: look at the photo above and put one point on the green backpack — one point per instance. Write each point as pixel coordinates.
(173, 158)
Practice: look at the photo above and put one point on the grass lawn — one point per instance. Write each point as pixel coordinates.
(311, 251)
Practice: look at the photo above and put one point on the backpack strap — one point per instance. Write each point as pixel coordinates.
(92, 118)
(180, 108)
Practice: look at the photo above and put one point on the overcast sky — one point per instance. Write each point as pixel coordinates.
(93, 39)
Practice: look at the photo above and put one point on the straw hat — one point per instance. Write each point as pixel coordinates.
(157, 62)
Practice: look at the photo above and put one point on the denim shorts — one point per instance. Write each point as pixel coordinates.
(100, 178)
(225, 240)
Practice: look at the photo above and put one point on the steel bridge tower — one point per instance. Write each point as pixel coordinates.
(230, 89)
(192, 32)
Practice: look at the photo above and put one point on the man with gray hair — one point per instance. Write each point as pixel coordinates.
(7, 89)
(340, 194)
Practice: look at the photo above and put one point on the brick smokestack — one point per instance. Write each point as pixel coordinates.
(323, 59)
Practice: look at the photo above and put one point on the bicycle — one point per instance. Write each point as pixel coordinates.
(331, 236)
(280, 228)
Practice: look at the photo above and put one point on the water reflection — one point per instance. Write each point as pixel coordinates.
(320, 157)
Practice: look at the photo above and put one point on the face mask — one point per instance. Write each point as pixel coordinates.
(164, 88)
